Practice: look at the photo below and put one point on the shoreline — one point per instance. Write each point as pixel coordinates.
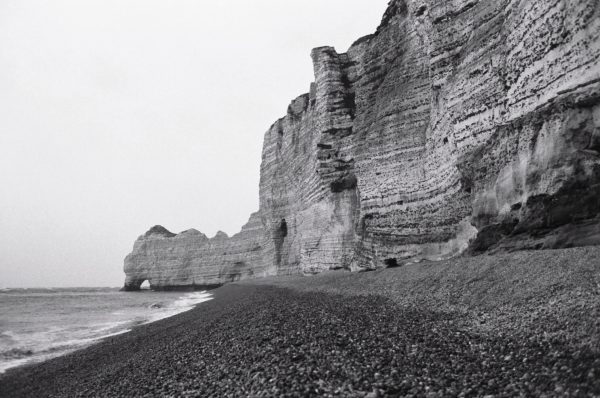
(79, 336)
(173, 288)
(41, 358)
(521, 323)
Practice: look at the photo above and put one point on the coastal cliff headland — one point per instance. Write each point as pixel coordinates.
(457, 127)
(455, 153)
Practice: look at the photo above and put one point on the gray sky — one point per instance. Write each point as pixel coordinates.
(116, 115)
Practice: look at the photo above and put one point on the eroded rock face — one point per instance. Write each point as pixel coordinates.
(190, 260)
(457, 125)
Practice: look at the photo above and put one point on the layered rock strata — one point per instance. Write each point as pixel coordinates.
(190, 260)
(458, 125)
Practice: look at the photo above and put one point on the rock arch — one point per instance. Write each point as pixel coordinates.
(135, 285)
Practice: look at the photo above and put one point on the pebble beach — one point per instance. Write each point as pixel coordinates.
(467, 327)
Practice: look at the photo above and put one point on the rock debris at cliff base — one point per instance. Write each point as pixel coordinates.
(458, 126)
(361, 335)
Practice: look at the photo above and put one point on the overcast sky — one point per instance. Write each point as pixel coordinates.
(116, 115)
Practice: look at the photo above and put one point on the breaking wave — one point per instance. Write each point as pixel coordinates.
(81, 317)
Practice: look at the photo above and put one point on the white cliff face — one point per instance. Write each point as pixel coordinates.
(190, 260)
(458, 124)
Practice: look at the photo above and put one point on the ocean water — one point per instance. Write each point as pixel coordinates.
(38, 324)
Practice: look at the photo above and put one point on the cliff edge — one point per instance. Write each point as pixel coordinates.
(458, 126)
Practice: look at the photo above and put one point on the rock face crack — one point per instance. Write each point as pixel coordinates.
(466, 125)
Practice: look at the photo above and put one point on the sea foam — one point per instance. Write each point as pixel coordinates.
(39, 324)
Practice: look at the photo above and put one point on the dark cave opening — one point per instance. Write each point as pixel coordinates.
(279, 236)
(391, 263)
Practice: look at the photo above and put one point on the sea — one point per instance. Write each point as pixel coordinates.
(39, 324)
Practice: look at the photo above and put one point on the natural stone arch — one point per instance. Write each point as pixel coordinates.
(145, 285)
(135, 285)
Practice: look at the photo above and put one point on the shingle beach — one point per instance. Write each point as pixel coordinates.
(419, 330)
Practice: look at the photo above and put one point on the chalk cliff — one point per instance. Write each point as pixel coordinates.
(458, 126)
(191, 260)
